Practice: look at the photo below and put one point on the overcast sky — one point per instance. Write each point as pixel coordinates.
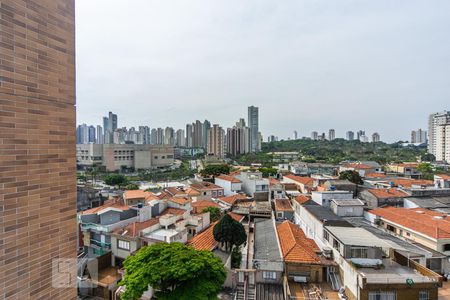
(308, 65)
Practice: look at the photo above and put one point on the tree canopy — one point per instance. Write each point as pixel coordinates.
(132, 186)
(214, 213)
(351, 176)
(215, 170)
(229, 232)
(175, 271)
(116, 179)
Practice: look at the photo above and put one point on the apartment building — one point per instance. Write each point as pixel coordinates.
(435, 133)
(304, 184)
(230, 184)
(117, 156)
(254, 185)
(38, 201)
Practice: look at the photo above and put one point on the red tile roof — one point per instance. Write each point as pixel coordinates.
(302, 180)
(137, 194)
(173, 211)
(357, 166)
(273, 181)
(388, 193)
(107, 204)
(405, 165)
(133, 229)
(204, 240)
(444, 176)
(233, 198)
(295, 246)
(427, 222)
(205, 186)
(179, 200)
(375, 175)
(300, 199)
(229, 178)
(283, 205)
(200, 205)
(407, 183)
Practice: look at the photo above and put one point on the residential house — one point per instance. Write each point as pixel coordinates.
(200, 205)
(423, 226)
(371, 269)
(347, 208)
(340, 185)
(304, 184)
(230, 184)
(254, 185)
(207, 190)
(283, 209)
(324, 197)
(276, 189)
(267, 259)
(229, 201)
(359, 167)
(442, 181)
(404, 169)
(135, 197)
(381, 197)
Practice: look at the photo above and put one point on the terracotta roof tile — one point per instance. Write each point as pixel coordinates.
(283, 205)
(107, 204)
(408, 183)
(236, 217)
(233, 198)
(295, 246)
(444, 176)
(204, 240)
(136, 194)
(202, 186)
(173, 211)
(229, 178)
(388, 193)
(133, 229)
(302, 199)
(421, 220)
(375, 175)
(308, 181)
(357, 166)
(179, 200)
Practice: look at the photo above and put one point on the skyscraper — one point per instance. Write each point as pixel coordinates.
(197, 134)
(91, 134)
(38, 188)
(295, 135)
(180, 138)
(442, 145)
(216, 141)
(189, 137)
(314, 135)
(350, 135)
(206, 127)
(253, 124)
(418, 136)
(99, 134)
(112, 122)
(331, 134)
(359, 134)
(375, 137)
(434, 121)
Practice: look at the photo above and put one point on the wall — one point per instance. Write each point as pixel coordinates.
(37, 145)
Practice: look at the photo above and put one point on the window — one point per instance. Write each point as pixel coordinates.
(359, 252)
(382, 295)
(269, 275)
(446, 247)
(280, 215)
(125, 245)
(336, 245)
(424, 295)
(326, 236)
(390, 228)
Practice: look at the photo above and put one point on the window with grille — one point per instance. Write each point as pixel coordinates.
(424, 295)
(359, 252)
(382, 295)
(269, 275)
(125, 245)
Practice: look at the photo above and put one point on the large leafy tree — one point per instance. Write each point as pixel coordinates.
(175, 271)
(351, 176)
(214, 213)
(116, 179)
(229, 232)
(215, 170)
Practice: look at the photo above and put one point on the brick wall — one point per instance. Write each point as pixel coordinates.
(37, 146)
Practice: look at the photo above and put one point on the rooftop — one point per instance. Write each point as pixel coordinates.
(133, 229)
(324, 214)
(443, 176)
(204, 240)
(137, 194)
(295, 246)
(302, 199)
(204, 203)
(349, 202)
(388, 193)
(302, 180)
(179, 200)
(228, 178)
(424, 221)
(112, 204)
(265, 241)
(204, 185)
(357, 166)
(233, 198)
(283, 205)
(357, 236)
(430, 202)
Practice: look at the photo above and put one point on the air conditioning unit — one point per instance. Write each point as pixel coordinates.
(328, 253)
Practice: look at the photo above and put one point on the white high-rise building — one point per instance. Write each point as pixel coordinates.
(375, 137)
(100, 136)
(314, 135)
(331, 134)
(295, 135)
(434, 121)
(418, 136)
(442, 143)
(350, 135)
(180, 138)
(253, 124)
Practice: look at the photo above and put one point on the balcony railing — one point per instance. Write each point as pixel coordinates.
(100, 244)
(108, 228)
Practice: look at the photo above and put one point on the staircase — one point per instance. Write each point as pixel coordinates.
(240, 291)
(251, 292)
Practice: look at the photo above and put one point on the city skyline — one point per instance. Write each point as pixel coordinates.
(350, 71)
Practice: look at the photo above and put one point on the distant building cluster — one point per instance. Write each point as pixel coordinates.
(349, 135)
(215, 140)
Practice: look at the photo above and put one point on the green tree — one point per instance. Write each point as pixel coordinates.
(351, 176)
(266, 172)
(215, 170)
(428, 157)
(175, 271)
(132, 186)
(229, 232)
(427, 171)
(116, 179)
(214, 213)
